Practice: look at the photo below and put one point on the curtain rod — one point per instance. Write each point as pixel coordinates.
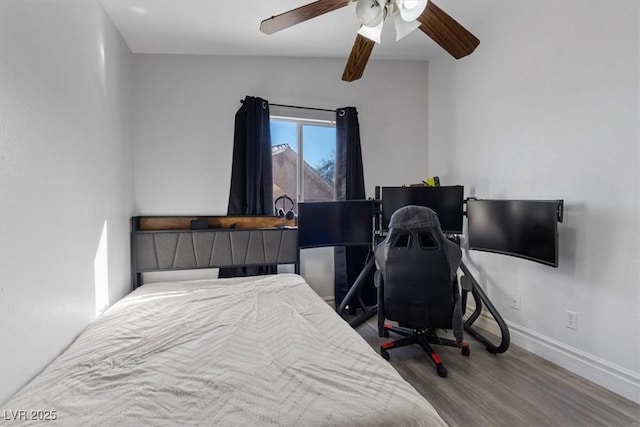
(298, 107)
(303, 108)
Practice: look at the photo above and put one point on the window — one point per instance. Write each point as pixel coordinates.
(310, 143)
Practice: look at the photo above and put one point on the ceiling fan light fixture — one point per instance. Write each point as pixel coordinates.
(370, 12)
(410, 10)
(372, 33)
(404, 28)
(434, 22)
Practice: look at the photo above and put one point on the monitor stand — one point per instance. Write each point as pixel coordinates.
(470, 284)
(354, 292)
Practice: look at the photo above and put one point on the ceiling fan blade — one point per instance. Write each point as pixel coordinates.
(358, 59)
(447, 32)
(300, 14)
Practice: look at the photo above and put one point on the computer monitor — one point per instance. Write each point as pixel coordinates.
(447, 202)
(521, 228)
(338, 223)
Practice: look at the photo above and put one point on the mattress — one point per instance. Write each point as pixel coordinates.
(227, 352)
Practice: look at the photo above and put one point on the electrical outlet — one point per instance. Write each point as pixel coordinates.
(571, 320)
(515, 301)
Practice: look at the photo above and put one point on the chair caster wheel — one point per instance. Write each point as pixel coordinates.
(466, 351)
(384, 353)
(442, 371)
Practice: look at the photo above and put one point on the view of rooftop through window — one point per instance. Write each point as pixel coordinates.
(311, 144)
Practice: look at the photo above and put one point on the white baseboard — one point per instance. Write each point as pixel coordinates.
(616, 378)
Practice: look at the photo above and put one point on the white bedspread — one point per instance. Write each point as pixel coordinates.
(227, 352)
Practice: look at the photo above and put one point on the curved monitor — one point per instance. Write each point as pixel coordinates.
(339, 223)
(522, 228)
(447, 202)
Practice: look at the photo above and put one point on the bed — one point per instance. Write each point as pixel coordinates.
(244, 351)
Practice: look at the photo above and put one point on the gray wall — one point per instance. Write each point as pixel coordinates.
(547, 108)
(184, 120)
(67, 175)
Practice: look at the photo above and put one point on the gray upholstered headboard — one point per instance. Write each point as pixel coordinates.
(185, 243)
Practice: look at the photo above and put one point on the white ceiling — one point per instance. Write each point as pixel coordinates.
(231, 27)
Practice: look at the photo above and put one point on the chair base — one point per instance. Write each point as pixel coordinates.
(424, 338)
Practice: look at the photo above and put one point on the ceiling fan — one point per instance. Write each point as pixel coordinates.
(408, 15)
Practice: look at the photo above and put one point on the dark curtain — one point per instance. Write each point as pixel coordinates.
(251, 190)
(349, 178)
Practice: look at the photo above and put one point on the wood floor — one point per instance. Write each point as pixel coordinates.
(515, 388)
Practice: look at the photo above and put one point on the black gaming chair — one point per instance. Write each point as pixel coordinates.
(417, 284)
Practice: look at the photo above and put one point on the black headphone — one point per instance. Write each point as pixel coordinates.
(280, 212)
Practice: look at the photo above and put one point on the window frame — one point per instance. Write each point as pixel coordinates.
(300, 123)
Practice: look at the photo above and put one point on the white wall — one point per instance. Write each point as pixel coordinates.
(67, 170)
(548, 107)
(184, 122)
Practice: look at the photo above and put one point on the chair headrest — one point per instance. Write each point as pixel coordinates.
(414, 217)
